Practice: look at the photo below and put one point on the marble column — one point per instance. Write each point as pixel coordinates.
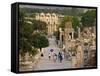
(79, 32)
(60, 30)
(72, 34)
(66, 39)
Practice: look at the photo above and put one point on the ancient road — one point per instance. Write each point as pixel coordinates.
(46, 64)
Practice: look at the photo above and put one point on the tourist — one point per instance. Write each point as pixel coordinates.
(49, 56)
(60, 57)
(54, 57)
(42, 55)
(63, 55)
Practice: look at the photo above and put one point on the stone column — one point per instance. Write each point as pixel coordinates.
(67, 31)
(60, 36)
(66, 45)
(66, 39)
(72, 34)
(79, 32)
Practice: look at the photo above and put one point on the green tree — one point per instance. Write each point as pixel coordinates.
(40, 41)
(25, 35)
(88, 18)
(39, 26)
(75, 23)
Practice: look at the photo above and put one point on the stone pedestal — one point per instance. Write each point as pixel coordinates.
(79, 56)
(74, 62)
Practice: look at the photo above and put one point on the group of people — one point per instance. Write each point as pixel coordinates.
(60, 56)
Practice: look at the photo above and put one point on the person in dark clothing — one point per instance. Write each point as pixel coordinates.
(60, 57)
(42, 55)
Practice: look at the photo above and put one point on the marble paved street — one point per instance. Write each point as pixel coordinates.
(46, 64)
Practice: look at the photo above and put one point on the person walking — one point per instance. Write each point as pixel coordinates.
(49, 56)
(54, 57)
(63, 55)
(60, 57)
(42, 55)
